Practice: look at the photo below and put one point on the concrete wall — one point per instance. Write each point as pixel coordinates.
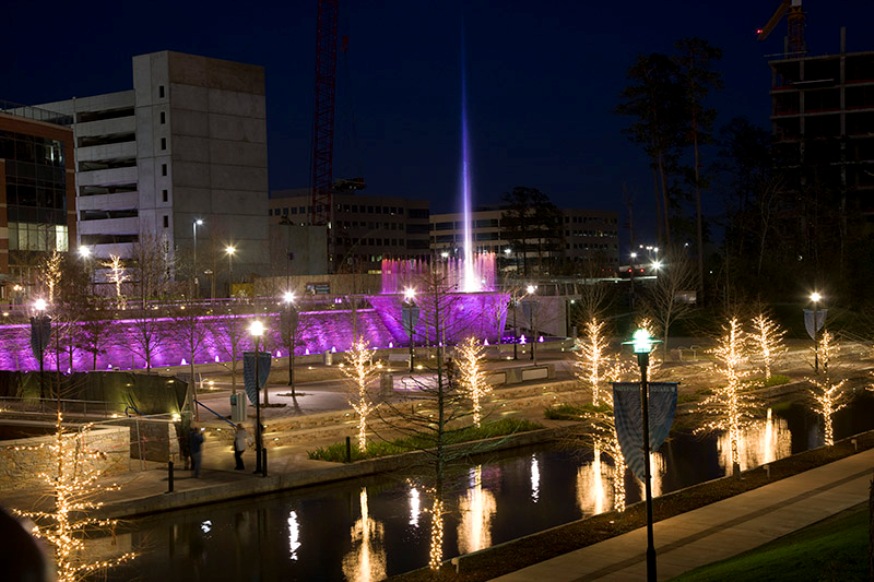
(22, 460)
(213, 142)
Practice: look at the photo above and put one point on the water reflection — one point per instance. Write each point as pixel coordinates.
(302, 535)
(366, 561)
(415, 506)
(763, 442)
(592, 495)
(293, 535)
(477, 507)
(535, 479)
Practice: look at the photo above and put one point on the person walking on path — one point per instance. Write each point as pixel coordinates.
(241, 441)
(195, 449)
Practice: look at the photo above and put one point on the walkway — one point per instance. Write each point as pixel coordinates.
(717, 531)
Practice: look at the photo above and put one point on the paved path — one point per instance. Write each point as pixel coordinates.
(717, 531)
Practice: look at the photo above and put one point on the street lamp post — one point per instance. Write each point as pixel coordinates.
(410, 314)
(40, 332)
(230, 250)
(642, 344)
(197, 222)
(815, 297)
(530, 290)
(515, 329)
(256, 329)
(85, 253)
(292, 319)
(633, 267)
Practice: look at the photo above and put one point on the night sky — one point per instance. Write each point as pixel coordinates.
(543, 79)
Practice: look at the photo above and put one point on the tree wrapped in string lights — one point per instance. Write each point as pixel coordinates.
(471, 355)
(118, 276)
(52, 273)
(829, 396)
(732, 405)
(767, 340)
(73, 488)
(593, 368)
(590, 357)
(361, 369)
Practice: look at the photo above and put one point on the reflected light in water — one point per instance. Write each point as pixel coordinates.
(477, 508)
(658, 469)
(591, 493)
(415, 506)
(366, 561)
(293, 535)
(535, 479)
(763, 442)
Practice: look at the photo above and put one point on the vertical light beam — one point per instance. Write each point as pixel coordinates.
(469, 282)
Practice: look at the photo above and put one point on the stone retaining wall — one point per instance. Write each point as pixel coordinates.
(22, 460)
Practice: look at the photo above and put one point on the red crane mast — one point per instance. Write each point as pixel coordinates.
(322, 177)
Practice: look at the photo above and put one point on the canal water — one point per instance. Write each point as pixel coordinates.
(378, 527)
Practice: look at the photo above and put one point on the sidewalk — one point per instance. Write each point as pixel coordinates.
(717, 531)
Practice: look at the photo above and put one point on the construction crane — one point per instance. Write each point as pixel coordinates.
(323, 118)
(795, 25)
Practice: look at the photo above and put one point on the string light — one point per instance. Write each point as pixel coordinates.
(590, 355)
(73, 487)
(471, 355)
(732, 405)
(768, 340)
(828, 396)
(435, 555)
(361, 370)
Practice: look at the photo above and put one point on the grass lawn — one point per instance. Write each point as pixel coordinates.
(833, 549)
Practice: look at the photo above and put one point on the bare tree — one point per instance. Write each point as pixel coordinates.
(231, 332)
(190, 333)
(147, 336)
(94, 329)
(151, 267)
(440, 405)
(670, 298)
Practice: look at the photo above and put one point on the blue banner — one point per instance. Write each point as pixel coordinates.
(809, 323)
(411, 316)
(264, 360)
(628, 415)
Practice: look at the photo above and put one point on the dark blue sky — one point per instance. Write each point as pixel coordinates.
(543, 79)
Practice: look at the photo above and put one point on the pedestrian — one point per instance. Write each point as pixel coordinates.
(241, 441)
(195, 449)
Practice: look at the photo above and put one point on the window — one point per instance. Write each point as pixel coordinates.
(163, 117)
(163, 143)
(163, 169)
(160, 91)
(164, 196)
(166, 221)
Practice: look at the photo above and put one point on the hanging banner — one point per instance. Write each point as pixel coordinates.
(628, 416)
(820, 321)
(249, 373)
(411, 317)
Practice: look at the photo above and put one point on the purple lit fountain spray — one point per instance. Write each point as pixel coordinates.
(471, 282)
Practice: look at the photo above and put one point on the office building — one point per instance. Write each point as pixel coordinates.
(177, 166)
(37, 194)
(365, 229)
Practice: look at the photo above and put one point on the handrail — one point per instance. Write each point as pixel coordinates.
(216, 414)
